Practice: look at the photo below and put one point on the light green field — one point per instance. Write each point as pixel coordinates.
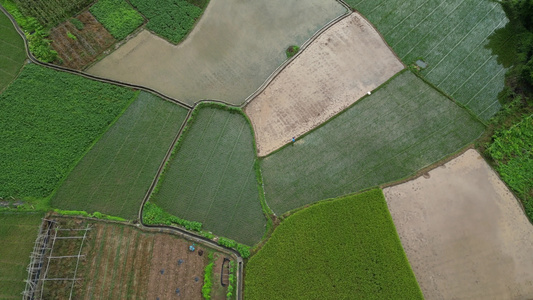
(116, 173)
(18, 232)
(347, 248)
(12, 53)
(398, 130)
(212, 180)
(452, 37)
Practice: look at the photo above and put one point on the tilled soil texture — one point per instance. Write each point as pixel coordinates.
(176, 272)
(220, 269)
(231, 51)
(122, 262)
(84, 45)
(338, 68)
(464, 233)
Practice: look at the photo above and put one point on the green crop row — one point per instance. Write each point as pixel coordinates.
(36, 34)
(117, 16)
(171, 19)
(232, 280)
(346, 248)
(49, 120)
(208, 278)
(153, 214)
(512, 150)
(50, 13)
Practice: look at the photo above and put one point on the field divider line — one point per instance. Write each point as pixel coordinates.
(224, 170)
(494, 102)
(8, 58)
(471, 75)
(412, 12)
(304, 46)
(85, 74)
(78, 262)
(418, 24)
(462, 39)
(423, 38)
(466, 57)
(495, 75)
(3, 71)
(8, 43)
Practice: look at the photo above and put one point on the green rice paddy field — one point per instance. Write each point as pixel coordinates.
(115, 174)
(346, 248)
(12, 53)
(49, 120)
(211, 178)
(18, 232)
(452, 37)
(401, 128)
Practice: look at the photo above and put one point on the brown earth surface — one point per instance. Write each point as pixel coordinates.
(122, 262)
(218, 292)
(338, 68)
(90, 42)
(464, 233)
(230, 52)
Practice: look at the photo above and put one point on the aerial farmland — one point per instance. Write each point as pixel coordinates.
(224, 149)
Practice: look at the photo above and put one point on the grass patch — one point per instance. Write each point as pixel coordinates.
(171, 19)
(116, 173)
(117, 16)
(291, 51)
(347, 248)
(18, 232)
(452, 37)
(401, 128)
(49, 120)
(211, 178)
(12, 52)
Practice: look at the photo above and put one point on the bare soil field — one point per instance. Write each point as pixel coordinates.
(122, 262)
(88, 43)
(464, 232)
(338, 68)
(234, 47)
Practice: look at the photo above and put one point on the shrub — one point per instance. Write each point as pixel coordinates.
(77, 23)
(291, 51)
(155, 215)
(117, 16)
(208, 281)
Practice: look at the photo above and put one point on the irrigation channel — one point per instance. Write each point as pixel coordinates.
(191, 236)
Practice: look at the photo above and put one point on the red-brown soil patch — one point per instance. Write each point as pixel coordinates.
(90, 42)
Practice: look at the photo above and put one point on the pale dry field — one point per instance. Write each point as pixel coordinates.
(232, 50)
(337, 69)
(464, 233)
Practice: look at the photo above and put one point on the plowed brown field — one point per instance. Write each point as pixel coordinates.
(337, 69)
(464, 233)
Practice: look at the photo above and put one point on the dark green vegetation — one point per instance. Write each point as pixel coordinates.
(347, 248)
(115, 174)
(49, 120)
(117, 16)
(171, 19)
(401, 128)
(155, 215)
(211, 178)
(512, 150)
(50, 13)
(12, 52)
(17, 236)
(77, 23)
(451, 36)
(291, 51)
(36, 34)
(208, 278)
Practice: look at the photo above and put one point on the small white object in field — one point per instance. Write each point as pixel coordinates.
(369, 93)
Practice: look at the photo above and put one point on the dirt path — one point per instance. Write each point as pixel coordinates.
(337, 69)
(464, 233)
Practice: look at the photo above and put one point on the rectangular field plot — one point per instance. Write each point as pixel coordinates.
(12, 53)
(212, 180)
(116, 173)
(346, 248)
(403, 127)
(17, 236)
(452, 37)
(119, 262)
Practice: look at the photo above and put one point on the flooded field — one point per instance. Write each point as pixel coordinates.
(234, 47)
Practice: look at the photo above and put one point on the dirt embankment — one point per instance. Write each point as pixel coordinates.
(464, 232)
(337, 69)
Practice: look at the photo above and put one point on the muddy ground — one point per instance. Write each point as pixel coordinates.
(234, 47)
(337, 69)
(464, 232)
(86, 44)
